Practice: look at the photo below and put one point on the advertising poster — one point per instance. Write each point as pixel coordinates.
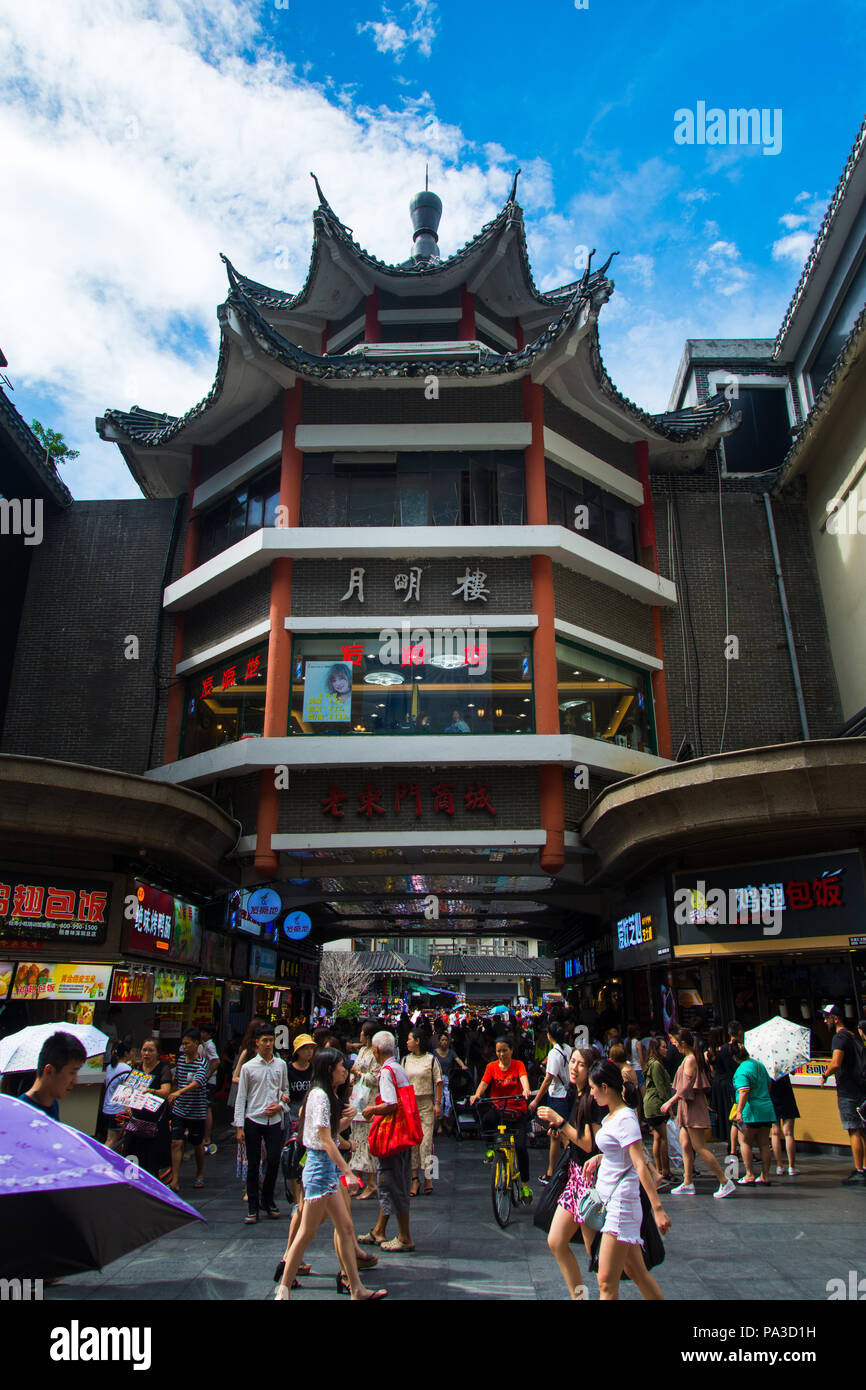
(7, 970)
(39, 981)
(131, 987)
(202, 1003)
(327, 692)
(186, 936)
(169, 987)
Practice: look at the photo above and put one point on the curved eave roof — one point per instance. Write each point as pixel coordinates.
(851, 353)
(689, 424)
(328, 227)
(824, 231)
(33, 455)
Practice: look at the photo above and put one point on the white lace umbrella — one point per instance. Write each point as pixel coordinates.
(20, 1051)
(781, 1045)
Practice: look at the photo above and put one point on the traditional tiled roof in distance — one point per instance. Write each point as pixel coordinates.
(34, 460)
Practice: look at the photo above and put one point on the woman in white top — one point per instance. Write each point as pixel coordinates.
(556, 1082)
(618, 1173)
(322, 1118)
(119, 1067)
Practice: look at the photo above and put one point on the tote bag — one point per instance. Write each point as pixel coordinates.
(394, 1134)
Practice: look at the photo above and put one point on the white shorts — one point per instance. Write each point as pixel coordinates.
(624, 1213)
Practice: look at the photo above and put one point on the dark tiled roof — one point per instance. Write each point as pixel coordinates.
(393, 963)
(34, 452)
(686, 424)
(823, 232)
(497, 967)
(854, 344)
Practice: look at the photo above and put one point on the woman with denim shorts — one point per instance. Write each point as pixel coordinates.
(322, 1118)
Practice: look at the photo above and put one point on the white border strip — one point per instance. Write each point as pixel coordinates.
(242, 468)
(577, 460)
(235, 643)
(494, 838)
(523, 622)
(607, 645)
(412, 438)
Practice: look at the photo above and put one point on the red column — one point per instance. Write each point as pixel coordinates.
(466, 333)
(649, 556)
(280, 640)
(174, 709)
(372, 327)
(550, 788)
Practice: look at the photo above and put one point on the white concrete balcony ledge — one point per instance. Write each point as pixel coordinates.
(302, 751)
(463, 543)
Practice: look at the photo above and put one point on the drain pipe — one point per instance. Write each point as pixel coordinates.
(786, 618)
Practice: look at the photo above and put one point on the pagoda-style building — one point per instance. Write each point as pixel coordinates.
(418, 509)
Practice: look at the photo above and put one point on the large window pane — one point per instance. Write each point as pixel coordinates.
(483, 492)
(413, 500)
(371, 501)
(321, 503)
(445, 497)
(511, 492)
(226, 702)
(604, 699)
(447, 682)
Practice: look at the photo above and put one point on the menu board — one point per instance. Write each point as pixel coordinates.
(36, 908)
(36, 980)
(169, 987)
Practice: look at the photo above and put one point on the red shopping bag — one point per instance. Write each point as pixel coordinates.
(393, 1134)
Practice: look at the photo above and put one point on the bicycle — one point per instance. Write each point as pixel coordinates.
(506, 1187)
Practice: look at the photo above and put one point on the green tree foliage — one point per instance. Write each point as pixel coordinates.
(54, 443)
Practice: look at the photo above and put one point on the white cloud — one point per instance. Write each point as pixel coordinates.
(720, 268)
(793, 219)
(391, 37)
(795, 247)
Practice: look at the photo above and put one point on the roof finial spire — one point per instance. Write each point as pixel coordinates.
(426, 210)
(513, 187)
(426, 178)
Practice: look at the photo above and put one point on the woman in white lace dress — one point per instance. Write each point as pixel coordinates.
(365, 1073)
(423, 1070)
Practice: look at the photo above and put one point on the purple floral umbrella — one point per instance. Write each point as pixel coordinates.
(67, 1203)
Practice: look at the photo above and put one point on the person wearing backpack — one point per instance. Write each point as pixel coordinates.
(848, 1065)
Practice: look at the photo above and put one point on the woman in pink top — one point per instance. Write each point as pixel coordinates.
(691, 1088)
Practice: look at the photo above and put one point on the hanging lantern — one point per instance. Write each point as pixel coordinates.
(783, 1008)
(805, 1009)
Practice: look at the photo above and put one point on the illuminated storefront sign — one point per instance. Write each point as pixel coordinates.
(821, 895)
(36, 908)
(641, 934)
(132, 987)
(164, 925)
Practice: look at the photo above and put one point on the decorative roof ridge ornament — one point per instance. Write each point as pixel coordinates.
(425, 210)
(325, 206)
(512, 195)
(603, 270)
(585, 281)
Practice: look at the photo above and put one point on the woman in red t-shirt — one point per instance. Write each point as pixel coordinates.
(507, 1077)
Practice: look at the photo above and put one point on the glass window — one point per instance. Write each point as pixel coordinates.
(226, 702)
(604, 699)
(483, 484)
(419, 490)
(445, 497)
(454, 681)
(371, 499)
(510, 487)
(839, 331)
(763, 437)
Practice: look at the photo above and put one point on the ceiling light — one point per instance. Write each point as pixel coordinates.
(447, 661)
(526, 700)
(384, 678)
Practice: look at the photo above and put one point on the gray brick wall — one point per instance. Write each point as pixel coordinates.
(231, 611)
(762, 704)
(240, 441)
(399, 405)
(566, 422)
(318, 585)
(95, 580)
(513, 791)
(587, 604)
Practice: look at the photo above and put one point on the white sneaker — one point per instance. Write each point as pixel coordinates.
(793, 1172)
(726, 1189)
(780, 1172)
(685, 1189)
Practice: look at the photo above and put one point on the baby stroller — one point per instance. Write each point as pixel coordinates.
(465, 1119)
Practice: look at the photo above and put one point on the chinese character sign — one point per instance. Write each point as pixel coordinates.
(327, 692)
(56, 909)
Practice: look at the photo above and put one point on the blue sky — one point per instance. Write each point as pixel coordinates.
(143, 137)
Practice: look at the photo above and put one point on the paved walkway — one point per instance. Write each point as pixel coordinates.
(781, 1242)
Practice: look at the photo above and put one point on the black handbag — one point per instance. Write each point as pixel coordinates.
(542, 1212)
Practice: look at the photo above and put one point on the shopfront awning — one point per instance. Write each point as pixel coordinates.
(425, 989)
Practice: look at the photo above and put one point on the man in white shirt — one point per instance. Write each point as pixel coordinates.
(260, 1109)
(395, 1173)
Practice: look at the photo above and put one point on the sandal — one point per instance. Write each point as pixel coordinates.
(373, 1297)
(366, 1261)
(365, 1196)
(396, 1244)
(199, 1182)
(415, 1189)
(428, 1189)
(369, 1239)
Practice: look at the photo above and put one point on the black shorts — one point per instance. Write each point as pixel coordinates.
(656, 1120)
(183, 1127)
